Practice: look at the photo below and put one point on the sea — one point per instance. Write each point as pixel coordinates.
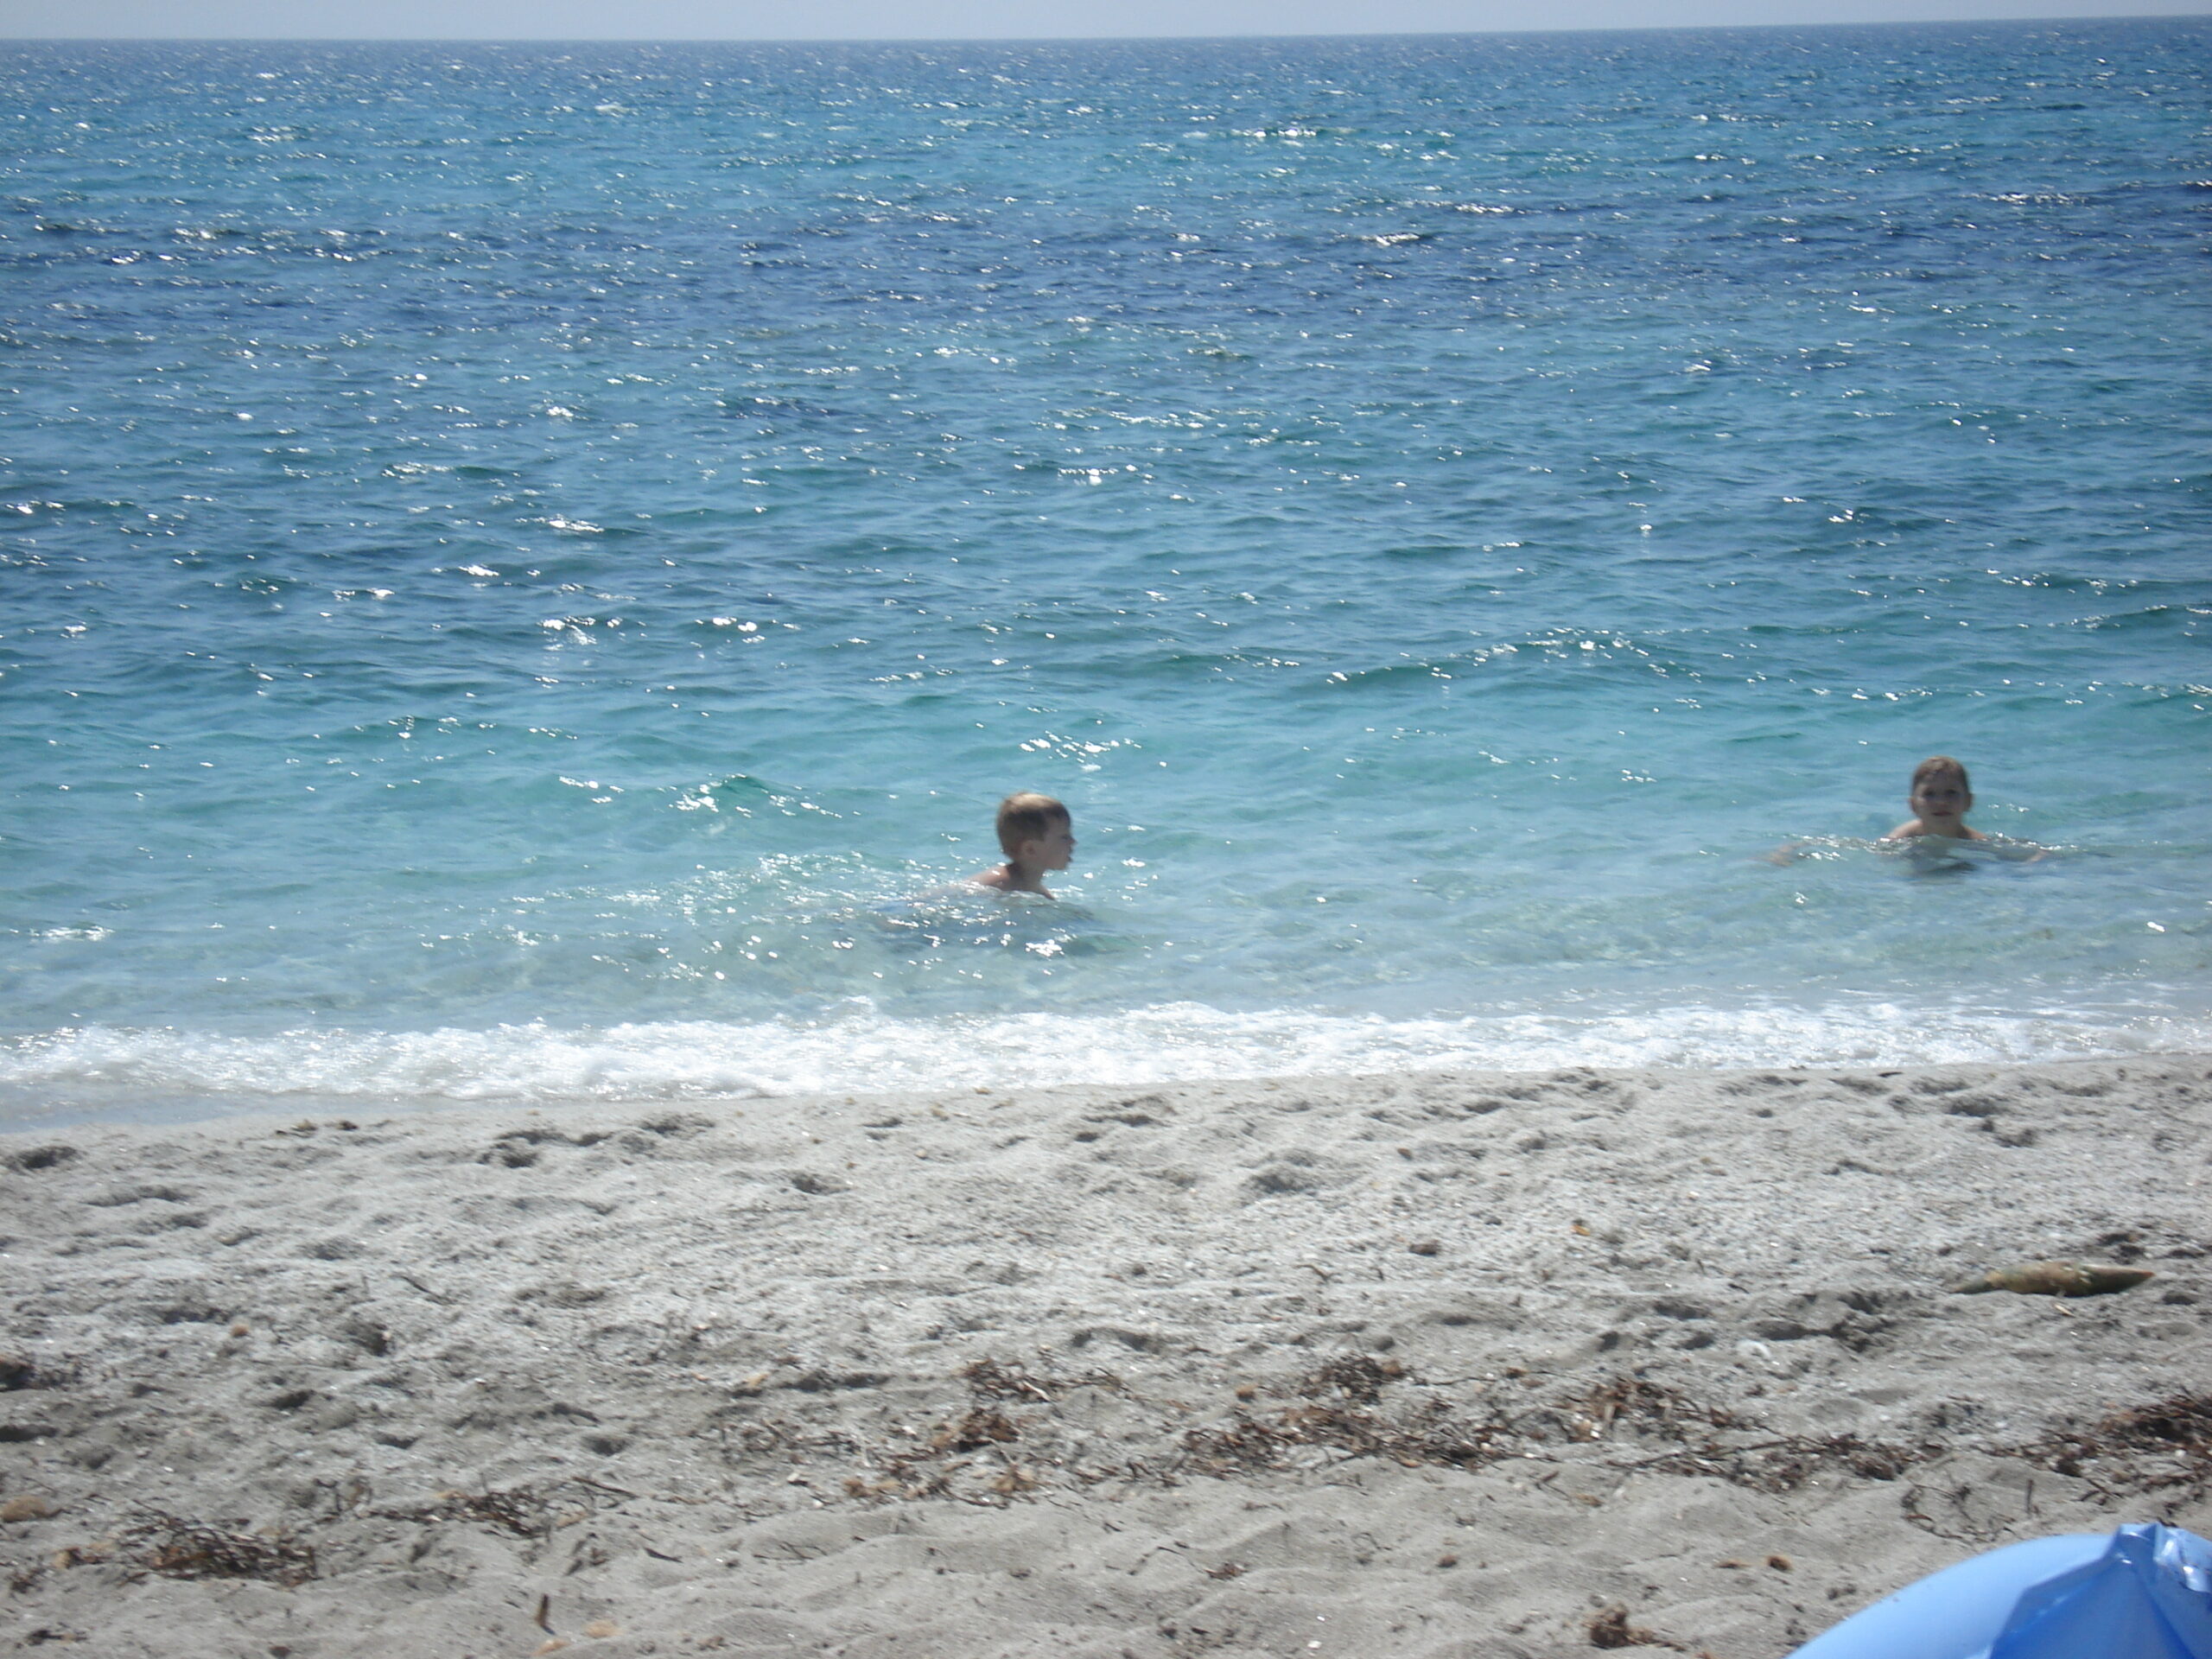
(525, 569)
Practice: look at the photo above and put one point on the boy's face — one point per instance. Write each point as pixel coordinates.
(1940, 800)
(1052, 851)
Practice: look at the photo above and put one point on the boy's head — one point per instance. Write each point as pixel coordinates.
(1939, 789)
(1036, 830)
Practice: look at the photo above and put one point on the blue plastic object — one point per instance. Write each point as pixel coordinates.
(2144, 1592)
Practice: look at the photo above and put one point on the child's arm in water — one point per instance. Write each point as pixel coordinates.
(1911, 839)
(1897, 845)
(1914, 830)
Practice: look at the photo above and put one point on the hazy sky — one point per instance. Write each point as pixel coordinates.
(633, 20)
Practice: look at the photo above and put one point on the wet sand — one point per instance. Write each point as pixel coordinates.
(1505, 1365)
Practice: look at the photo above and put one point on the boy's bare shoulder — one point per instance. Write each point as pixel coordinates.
(1003, 879)
(1912, 828)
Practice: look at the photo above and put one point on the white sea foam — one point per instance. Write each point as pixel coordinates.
(867, 1049)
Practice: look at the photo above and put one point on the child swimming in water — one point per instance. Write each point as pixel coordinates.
(1037, 835)
(1939, 800)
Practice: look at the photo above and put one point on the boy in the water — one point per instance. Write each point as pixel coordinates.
(1939, 800)
(1037, 836)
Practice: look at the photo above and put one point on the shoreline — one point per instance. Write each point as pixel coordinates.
(1435, 1363)
(129, 1075)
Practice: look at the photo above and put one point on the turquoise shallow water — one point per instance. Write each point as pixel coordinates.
(517, 565)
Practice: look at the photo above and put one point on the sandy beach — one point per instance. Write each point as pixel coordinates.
(1497, 1365)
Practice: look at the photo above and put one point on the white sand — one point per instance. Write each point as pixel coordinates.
(710, 1361)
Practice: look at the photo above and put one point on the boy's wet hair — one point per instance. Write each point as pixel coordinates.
(1027, 815)
(1940, 768)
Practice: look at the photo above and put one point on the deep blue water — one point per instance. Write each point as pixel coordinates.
(518, 563)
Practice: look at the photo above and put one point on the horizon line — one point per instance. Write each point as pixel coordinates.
(7, 40)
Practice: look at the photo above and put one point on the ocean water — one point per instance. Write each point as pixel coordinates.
(525, 570)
